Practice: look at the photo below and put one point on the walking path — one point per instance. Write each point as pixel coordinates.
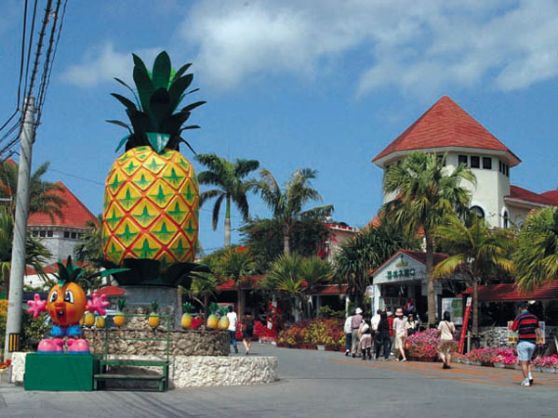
(316, 384)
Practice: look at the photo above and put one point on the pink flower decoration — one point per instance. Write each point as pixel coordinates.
(97, 304)
(36, 306)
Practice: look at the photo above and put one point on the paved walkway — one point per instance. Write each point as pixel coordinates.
(316, 384)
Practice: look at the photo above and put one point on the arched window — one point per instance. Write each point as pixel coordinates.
(506, 219)
(477, 211)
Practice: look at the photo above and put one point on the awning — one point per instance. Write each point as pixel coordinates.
(111, 291)
(508, 292)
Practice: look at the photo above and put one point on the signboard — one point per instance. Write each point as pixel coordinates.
(396, 274)
(455, 307)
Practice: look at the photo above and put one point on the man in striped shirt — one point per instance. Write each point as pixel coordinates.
(526, 325)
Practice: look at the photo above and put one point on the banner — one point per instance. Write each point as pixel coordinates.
(461, 346)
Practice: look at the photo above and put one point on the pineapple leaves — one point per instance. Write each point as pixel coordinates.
(119, 123)
(122, 142)
(128, 104)
(129, 88)
(177, 89)
(188, 145)
(192, 106)
(158, 141)
(143, 82)
(182, 70)
(161, 71)
(159, 107)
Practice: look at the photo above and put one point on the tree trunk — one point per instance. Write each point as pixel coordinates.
(430, 280)
(227, 221)
(240, 299)
(475, 307)
(286, 241)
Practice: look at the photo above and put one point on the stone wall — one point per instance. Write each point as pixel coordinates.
(141, 342)
(498, 336)
(197, 371)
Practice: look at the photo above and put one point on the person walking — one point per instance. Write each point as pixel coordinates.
(365, 335)
(447, 344)
(400, 331)
(347, 329)
(247, 333)
(356, 320)
(526, 325)
(383, 340)
(374, 325)
(391, 333)
(231, 316)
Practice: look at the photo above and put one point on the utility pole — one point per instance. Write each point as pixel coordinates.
(15, 296)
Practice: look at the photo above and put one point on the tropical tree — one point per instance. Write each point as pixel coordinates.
(536, 255)
(366, 251)
(237, 264)
(231, 187)
(425, 192)
(287, 204)
(42, 194)
(90, 248)
(36, 254)
(474, 251)
(264, 238)
(203, 288)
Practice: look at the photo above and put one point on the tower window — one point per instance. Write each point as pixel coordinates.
(66, 234)
(477, 211)
(475, 162)
(50, 233)
(487, 163)
(462, 159)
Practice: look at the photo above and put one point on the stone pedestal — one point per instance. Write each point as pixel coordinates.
(166, 297)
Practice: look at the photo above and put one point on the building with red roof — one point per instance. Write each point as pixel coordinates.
(61, 234)
(447, 130)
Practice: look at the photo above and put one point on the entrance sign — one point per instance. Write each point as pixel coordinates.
(395, 274)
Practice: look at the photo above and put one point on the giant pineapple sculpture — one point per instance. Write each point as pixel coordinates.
(150, 216)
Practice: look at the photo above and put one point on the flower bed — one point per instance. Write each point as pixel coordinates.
(263, 333)
(423, 346)
(547, 364)
(310, 334)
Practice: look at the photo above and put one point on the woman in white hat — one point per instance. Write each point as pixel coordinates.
(355, 325)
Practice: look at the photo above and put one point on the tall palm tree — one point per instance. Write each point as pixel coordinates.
(42, 194)
(536, 255)
(287, 204)
(366, 251)
(91, 247)
(232, 187)
(475, 251)
(426, 192)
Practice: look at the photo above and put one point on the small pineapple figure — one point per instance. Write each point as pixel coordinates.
(186, 320)
(119, 318)
(154, 320)
(212, 319)
(223, 320)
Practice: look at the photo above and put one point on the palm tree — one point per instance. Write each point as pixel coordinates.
(315, 272)
(229, 177)
(425, 193)
(366, 251)
(536, 255)
(91, 247)
(36, 254)
(202, 288)
(287, 205)
(42, 194)
(475, 251)
(237, 264)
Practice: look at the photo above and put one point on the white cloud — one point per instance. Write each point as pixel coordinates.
(416, 46)
(102, 63)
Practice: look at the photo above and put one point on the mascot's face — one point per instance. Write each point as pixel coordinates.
(66, 304)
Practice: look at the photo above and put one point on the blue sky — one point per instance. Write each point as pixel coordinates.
(322, 84)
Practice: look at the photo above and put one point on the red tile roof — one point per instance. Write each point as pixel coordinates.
(76, 214)
(508, 292)
(446, 125)
(552, 196)
(519, 193)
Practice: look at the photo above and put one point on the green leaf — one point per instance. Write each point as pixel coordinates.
(188, 145)
(119, 123)
(140, 121)
(158, 141)
(192, 106)
(181, 71)
(161, 71)
(122, 142)
(160, 107)
(129, 88)
(125, 101)
(144, 84)
(190, 127)
(177, 89)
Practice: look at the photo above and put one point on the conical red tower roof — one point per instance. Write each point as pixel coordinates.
(446, 125)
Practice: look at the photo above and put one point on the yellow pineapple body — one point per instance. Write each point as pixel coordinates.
(212, 321)
(186, 321)
(151, 208)
(223, 323)
(89, 319)
(119, 319)
(153, 320)
(99, 322)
